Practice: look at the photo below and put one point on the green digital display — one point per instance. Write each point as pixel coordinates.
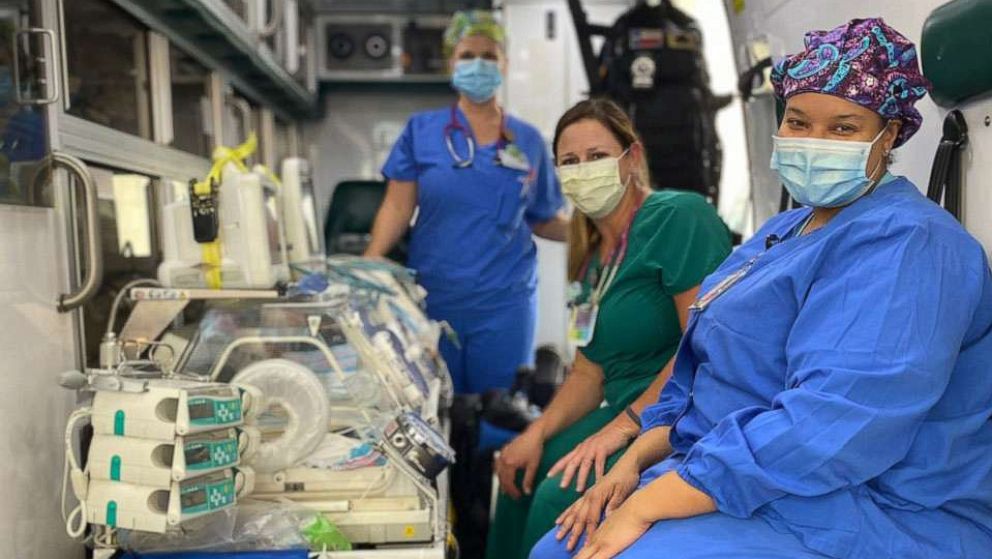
(194, 499)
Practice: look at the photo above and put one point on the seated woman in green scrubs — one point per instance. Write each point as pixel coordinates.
(636, 261)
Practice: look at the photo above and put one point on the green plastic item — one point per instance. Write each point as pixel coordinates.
(956, 51)
(323, 535)
(115, 468)
(119, 423)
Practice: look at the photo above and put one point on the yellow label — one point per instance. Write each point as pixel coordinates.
(409, 531)
(738, 6)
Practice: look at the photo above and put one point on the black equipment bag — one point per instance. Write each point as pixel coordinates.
(945, 175)
(654, 69)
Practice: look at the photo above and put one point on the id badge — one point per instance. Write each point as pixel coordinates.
(582, 324)
(512, 158)
(573, 292)
(721, 288)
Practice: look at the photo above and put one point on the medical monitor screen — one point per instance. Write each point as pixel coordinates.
(197, 455)
(202, 410)
(194, 499)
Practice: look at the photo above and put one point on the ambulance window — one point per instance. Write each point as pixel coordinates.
(23, 142)
(131, 208)
(191, 109)
(285, 140)
(107, 55)
(241, 118)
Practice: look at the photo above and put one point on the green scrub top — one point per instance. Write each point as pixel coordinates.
(675, 241)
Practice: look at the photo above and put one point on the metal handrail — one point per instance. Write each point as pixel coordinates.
(52, 76)
(94, 258)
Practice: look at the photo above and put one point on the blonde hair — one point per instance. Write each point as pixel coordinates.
(583, 236)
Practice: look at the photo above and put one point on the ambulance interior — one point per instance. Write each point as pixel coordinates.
(186, 189)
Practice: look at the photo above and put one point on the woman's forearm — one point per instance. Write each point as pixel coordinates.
(627, 424)
(581, 393)
(555, 229)
(669, 497)
(650, 395)
(648, 449)
(393, 217)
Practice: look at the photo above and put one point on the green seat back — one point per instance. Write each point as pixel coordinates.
(956, 50)
(351, 215)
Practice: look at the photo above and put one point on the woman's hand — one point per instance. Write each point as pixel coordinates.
(593, 452)
(609, 493)
(523, 452)
(617, 532)
(667, 497)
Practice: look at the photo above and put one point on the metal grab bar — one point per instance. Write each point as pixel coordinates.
(94, 260)
(267, 29)
(51, 81)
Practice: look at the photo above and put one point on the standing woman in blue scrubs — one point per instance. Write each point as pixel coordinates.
(832, 394)
(482, 182)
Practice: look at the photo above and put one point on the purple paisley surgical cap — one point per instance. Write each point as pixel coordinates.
(864, 61)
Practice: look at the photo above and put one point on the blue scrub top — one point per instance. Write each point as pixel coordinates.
(842, 389)
(471, 244)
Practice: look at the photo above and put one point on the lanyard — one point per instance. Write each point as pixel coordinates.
(454, 125)
(798, 231)
(613, 264)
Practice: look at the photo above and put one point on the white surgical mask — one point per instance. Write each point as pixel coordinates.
(594, 187)
(824, 173)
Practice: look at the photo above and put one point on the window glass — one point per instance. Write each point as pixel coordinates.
(241, 117)
(107, 55)
(177, 190)
(238, 7)
(268, 11)
(284, 140)
(256, 127)
(129, 245)
(191, 118)
(23, 145)
(134, 238)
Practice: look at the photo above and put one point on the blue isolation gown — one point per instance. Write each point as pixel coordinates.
(835, 401)
(471, 244)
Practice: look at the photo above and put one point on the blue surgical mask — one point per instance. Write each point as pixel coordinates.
(824, 173)
(477, 79)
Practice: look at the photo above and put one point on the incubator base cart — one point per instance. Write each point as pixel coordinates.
(390, 500)
(372, 355)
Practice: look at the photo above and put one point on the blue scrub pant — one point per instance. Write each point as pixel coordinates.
(710, 536)
(494, 343)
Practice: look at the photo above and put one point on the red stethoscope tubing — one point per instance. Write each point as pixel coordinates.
(453, 125)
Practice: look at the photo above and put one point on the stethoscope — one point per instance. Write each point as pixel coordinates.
(454, 125)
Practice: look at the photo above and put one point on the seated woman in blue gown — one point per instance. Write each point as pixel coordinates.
(833, 392)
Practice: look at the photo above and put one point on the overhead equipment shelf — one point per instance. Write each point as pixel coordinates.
(211, 29)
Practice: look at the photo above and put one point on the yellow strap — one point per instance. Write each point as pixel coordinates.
(271, 176)
(210, 252)
(210, 255)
